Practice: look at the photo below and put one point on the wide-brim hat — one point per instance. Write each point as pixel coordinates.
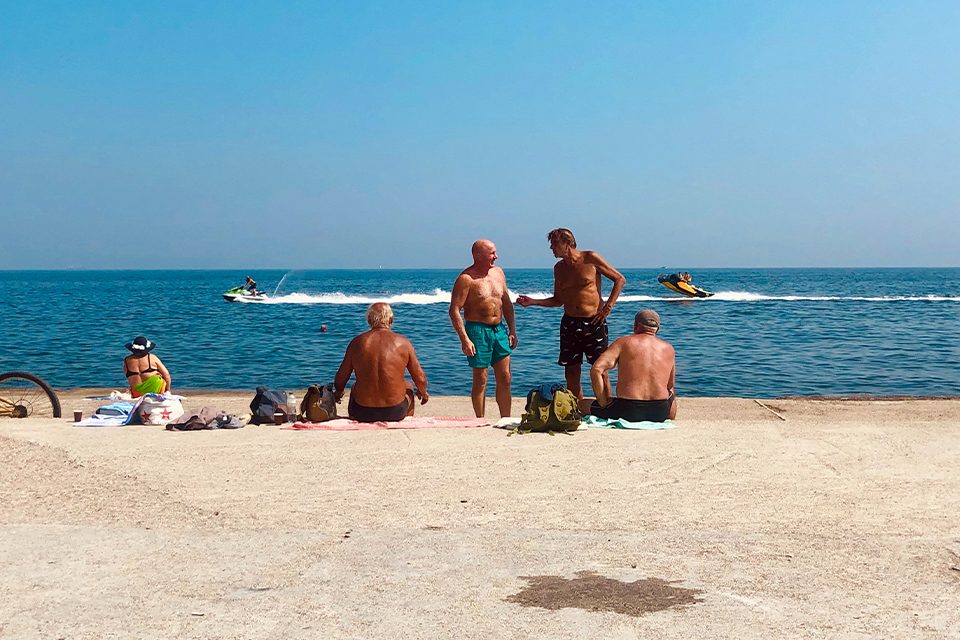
(140, 346)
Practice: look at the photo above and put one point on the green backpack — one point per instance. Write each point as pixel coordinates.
(560, 413)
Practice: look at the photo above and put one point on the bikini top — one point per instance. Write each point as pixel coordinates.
(149, 369)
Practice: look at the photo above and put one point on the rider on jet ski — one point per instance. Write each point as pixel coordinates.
(250, 286)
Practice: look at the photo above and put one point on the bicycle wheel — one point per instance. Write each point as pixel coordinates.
(24, 395)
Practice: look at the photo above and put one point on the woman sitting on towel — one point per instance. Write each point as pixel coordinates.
(145, 373)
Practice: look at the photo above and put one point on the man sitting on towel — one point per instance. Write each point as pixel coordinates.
(379, 358)
(645, 375)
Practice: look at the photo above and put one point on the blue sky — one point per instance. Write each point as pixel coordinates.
(357, 134)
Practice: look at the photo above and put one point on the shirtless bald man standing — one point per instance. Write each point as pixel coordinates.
(480, 291)
(379, 357)
(576, 287)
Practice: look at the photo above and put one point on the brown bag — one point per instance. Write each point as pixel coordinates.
(318, 404)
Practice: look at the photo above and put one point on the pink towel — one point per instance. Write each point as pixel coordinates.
(343, 424)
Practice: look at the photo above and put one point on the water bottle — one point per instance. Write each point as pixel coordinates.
(292, 404)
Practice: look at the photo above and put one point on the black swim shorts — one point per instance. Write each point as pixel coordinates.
(634, 410)
(360, 413)
(579, 337)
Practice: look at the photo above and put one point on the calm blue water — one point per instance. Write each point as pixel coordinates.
(767, 332)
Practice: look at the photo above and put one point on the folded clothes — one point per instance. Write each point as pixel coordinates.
(116, 409)
(344, 424)
(546, 392)
(594, 422)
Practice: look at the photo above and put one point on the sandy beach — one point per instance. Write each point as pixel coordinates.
(839, 522)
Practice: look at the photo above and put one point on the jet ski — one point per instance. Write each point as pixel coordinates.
(239, 294)
(678, 285)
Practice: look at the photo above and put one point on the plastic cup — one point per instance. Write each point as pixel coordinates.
(77, 416)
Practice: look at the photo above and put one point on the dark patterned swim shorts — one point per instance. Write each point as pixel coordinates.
(579, 337)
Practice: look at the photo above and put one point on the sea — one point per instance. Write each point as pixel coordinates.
(765, 332)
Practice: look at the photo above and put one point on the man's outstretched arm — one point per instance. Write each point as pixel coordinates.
(552, 301)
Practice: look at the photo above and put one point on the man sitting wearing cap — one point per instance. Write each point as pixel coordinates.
(645, 375)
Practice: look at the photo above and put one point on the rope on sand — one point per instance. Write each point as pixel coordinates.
(770, 410)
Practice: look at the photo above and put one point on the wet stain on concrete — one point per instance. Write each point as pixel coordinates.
(592, 592)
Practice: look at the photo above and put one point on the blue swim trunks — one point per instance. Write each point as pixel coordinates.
(491, 341)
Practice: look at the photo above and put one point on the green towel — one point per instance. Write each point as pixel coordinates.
(617, 423)
(153, 384)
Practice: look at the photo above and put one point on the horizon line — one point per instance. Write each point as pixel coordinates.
(549, 268)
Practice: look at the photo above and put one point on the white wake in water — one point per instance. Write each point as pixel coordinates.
(439, 296)
(337, 297)
(746, 296)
